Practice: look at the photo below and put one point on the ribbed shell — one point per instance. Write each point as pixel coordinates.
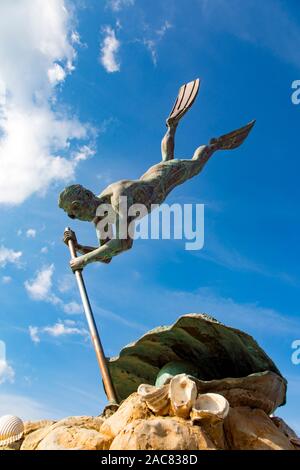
(210, 406)
(156, 398)
(11, 429)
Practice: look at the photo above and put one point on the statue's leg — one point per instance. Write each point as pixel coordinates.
(201, 156)
(186, 97)
(228, 141)
(180, 171)
(168, 144)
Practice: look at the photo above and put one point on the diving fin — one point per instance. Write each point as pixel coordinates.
(186, 97)
(233, 139)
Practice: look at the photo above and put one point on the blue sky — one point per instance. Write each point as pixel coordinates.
(85, 88)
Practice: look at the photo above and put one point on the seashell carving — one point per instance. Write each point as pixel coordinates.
(183, 394)
(156, 398)
(211, 406)
(11, 429)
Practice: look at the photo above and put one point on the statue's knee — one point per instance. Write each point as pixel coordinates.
(199, 152)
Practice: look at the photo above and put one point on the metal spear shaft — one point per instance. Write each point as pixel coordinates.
(108, 385)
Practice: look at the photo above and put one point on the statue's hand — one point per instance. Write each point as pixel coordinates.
(77, 263)
(70, 235)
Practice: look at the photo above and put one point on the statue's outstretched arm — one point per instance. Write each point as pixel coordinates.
(84, 249)
(102, 254)
(108, 248)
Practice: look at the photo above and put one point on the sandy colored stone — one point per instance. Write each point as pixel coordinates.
(162, 433)
(215, 432)
(239, 397)
(32, 440)
(296, 442)
(13, 446)
(264, 390)
(86, 422)
(78, 438)
(131, 409)
(253, 429)
(285, 428)
(31, 426)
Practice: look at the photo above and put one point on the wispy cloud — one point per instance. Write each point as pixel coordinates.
(59, 329)
(267, 24)
(109, 50)
(27, 408)
(118, 318)
(217, 252)
(7, 373)
(168, 304)
(73, 308)
(6, 279)
(84, 153)
(31, 233)
(250, 316)
(151, 39)
(117, 5)
(39, 288)
(8, 255)
(35, 131)
(66, 283)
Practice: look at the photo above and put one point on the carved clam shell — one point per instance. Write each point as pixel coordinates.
(210, 406)
(156, 398)
(183, 394)
(11, 429)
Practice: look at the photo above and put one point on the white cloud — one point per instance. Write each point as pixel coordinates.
(40, 288)
(102, 312)
(75, 37)
(84, 153)
(61, 328)
(7, 373)
(31, 233)
(33, 332)
(44, 250)
(109, 49)
(152, 40)
(8, 255)
(117, 5)
(56, 74)
(6, 279)
(66, 283)
(36, 53)
(73, 308)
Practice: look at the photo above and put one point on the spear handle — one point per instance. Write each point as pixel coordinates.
(108, 385)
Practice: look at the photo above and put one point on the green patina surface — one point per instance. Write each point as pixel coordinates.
(210, 349)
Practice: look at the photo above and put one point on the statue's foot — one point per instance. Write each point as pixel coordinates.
(233, 139)
(185, 99)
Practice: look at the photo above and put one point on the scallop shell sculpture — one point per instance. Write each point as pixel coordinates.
(183, 394)
(156, 398)
(210, 406)
(11, 429)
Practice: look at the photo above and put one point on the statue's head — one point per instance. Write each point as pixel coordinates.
(78, 202)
